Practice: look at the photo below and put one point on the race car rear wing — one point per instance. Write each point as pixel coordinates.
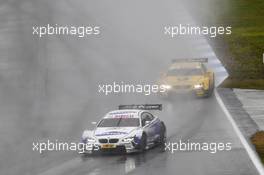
(142, 106)
(201, 60)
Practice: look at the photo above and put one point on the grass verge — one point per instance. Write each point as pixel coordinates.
(258, 141)
(246, 44)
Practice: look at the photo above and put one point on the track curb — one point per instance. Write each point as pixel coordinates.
(241, 122)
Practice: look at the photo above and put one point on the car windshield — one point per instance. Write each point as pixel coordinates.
(119, 122)
(185, 72)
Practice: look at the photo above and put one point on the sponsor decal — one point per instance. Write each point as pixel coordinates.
(123, 116)
(111, 133)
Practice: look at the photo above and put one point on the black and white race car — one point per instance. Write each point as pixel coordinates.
(132, 128)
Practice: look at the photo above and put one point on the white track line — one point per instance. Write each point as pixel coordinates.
(252, 154)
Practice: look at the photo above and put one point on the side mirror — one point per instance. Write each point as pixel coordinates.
(93, 123)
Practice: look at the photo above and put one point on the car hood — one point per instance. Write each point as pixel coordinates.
(113, 132)
(183, 80)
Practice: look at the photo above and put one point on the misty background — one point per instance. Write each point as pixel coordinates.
(49, 85)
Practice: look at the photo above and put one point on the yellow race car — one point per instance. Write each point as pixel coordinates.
(188, 76)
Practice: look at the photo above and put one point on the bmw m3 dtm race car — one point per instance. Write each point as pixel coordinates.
(132, 128)
(188, 75)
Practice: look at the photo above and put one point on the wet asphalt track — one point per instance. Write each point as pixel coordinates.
(48, 88)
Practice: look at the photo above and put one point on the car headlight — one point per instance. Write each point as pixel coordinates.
(90, 140)
(167, 86)
(128, 139)
(198, 86)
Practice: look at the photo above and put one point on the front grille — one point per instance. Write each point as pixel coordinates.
(108, 140)
(103, 140)
(117, 150)
(113, 140)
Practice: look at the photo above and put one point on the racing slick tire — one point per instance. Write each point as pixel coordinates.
(211, 90)
(143, 143)
(208, 93)
(163, 137)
